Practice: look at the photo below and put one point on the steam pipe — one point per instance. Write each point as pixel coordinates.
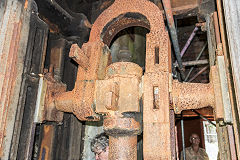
(183, 140)
(189, 41)
(203, 117)
(173, 34)
(200, 72)
(193, 63)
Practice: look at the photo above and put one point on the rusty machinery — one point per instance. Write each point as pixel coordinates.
(115, 90)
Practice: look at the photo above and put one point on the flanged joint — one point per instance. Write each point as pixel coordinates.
(124, 69)
(115, 125)
(122, 133)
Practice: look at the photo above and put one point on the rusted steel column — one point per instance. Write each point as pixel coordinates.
(121, 102)
(122, 133)
(192, 96)
(123, 147)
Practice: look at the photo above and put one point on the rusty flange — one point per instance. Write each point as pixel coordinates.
(122, 131)
(53, 87)
(115, 125)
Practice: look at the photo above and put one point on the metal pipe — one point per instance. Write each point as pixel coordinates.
(173, 34)
(193, 63)
(191, 96)
(199, 55)
(123, 147)
(189, 41)
(203, 117)
(200, 72)
(183, 140)
(60, 9)
(173, 134)
(122, 133)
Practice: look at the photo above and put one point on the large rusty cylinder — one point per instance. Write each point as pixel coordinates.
(192, 96)
(120, 90)
(123, 147)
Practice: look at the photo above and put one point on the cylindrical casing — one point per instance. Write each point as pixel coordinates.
(192, 96)
(123, 147)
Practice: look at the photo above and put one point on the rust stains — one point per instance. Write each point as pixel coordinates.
(116, 95)
(121, 69)
(122, 147)
(114, 92)
(50, 113)
(122, 131)
(48, 133)
(92, 59)
(121, 7)
(8, 59)
(78, 56)
(117, 124)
